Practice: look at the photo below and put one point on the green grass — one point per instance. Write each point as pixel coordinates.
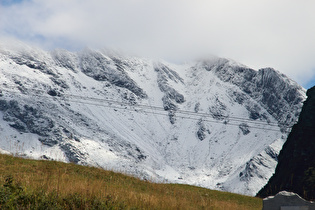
(39, 184)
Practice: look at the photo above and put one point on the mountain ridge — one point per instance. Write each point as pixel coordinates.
(211, 123)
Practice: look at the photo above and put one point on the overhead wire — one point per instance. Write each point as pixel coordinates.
(185, 114)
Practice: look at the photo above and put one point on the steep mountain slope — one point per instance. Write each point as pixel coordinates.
(296, 168)
(212, 123)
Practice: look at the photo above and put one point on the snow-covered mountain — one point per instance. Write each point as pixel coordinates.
(212, 123)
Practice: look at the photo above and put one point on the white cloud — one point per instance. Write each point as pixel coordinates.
(258, 33)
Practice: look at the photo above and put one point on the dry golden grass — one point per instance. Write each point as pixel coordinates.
(69, 179)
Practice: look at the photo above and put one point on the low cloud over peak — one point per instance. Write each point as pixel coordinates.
(259, 34)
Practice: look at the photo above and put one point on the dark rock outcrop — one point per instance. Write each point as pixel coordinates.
(26, 118)
(96, 65)
(171, 96)
(296, 166)
(267, 86)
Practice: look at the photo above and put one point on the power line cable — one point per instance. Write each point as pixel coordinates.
(154, 109)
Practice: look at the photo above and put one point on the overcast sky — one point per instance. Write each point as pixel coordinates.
(256, 33)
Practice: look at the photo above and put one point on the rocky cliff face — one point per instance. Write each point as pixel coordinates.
(213, 123)
(296, 167)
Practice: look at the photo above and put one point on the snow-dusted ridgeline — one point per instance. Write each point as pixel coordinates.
(212, 123)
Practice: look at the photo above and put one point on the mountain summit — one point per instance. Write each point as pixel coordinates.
(212, 123)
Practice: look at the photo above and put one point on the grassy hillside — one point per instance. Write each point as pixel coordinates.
(33, 184)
